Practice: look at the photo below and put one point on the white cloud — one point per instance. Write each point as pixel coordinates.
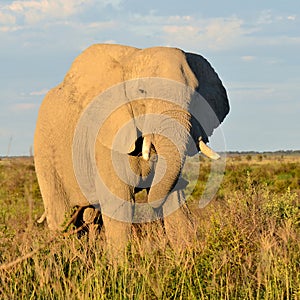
(99, 25)
(6, 18)
(177, 18)
(39, 93)
(274, 60)
(212, 34)
(4, 132)
(266, 91)
(109, 42)
(23, 107)
(217, 34)
(248, 58)
(10, 28)
(265, 17)
(268, 17)
(276, 40)
(114, 3)
(191, 33)
(18, 6)
(35, 11)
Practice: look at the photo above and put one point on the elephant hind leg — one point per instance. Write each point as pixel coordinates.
(55, 199)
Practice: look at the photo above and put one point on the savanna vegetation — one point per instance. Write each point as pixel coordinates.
(247, 245)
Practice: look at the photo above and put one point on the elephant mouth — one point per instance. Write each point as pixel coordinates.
(142, 147)
(144, 144)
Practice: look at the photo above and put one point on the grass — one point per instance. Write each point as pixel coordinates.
(247, 246)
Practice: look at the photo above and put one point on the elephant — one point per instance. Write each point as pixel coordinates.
(150, 121)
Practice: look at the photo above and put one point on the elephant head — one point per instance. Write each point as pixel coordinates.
(170, 101)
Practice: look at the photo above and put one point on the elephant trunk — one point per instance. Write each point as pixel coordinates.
(170, 159)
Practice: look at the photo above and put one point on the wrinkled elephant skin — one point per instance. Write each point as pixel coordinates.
(151, 120)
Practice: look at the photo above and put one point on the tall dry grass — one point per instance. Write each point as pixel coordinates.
(247, 244)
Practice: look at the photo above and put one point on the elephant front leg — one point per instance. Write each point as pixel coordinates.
(117, 220)
(117, 235)
(178, 222)
(116, 203)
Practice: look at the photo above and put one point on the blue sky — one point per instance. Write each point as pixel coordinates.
(254, 47)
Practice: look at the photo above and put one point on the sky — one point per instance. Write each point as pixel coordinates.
(253, 45)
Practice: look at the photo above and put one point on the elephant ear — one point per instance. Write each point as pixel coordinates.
(119, 131)
(209, 105)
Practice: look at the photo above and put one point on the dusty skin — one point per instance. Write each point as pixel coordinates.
(131, 150)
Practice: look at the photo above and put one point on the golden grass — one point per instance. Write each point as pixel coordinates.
(247, 245)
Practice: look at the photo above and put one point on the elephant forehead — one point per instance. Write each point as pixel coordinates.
(142, 107)
(103, 66)
(161, 62)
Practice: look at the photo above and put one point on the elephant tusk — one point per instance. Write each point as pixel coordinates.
(208, 151)
(42, 218)
(132, 148)
(146, 147)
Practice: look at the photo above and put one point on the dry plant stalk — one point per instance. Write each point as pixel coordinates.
(9, 265)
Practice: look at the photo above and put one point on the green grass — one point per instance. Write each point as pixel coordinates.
(247, 246)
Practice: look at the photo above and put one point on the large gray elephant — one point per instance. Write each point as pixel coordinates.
(122, 120)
